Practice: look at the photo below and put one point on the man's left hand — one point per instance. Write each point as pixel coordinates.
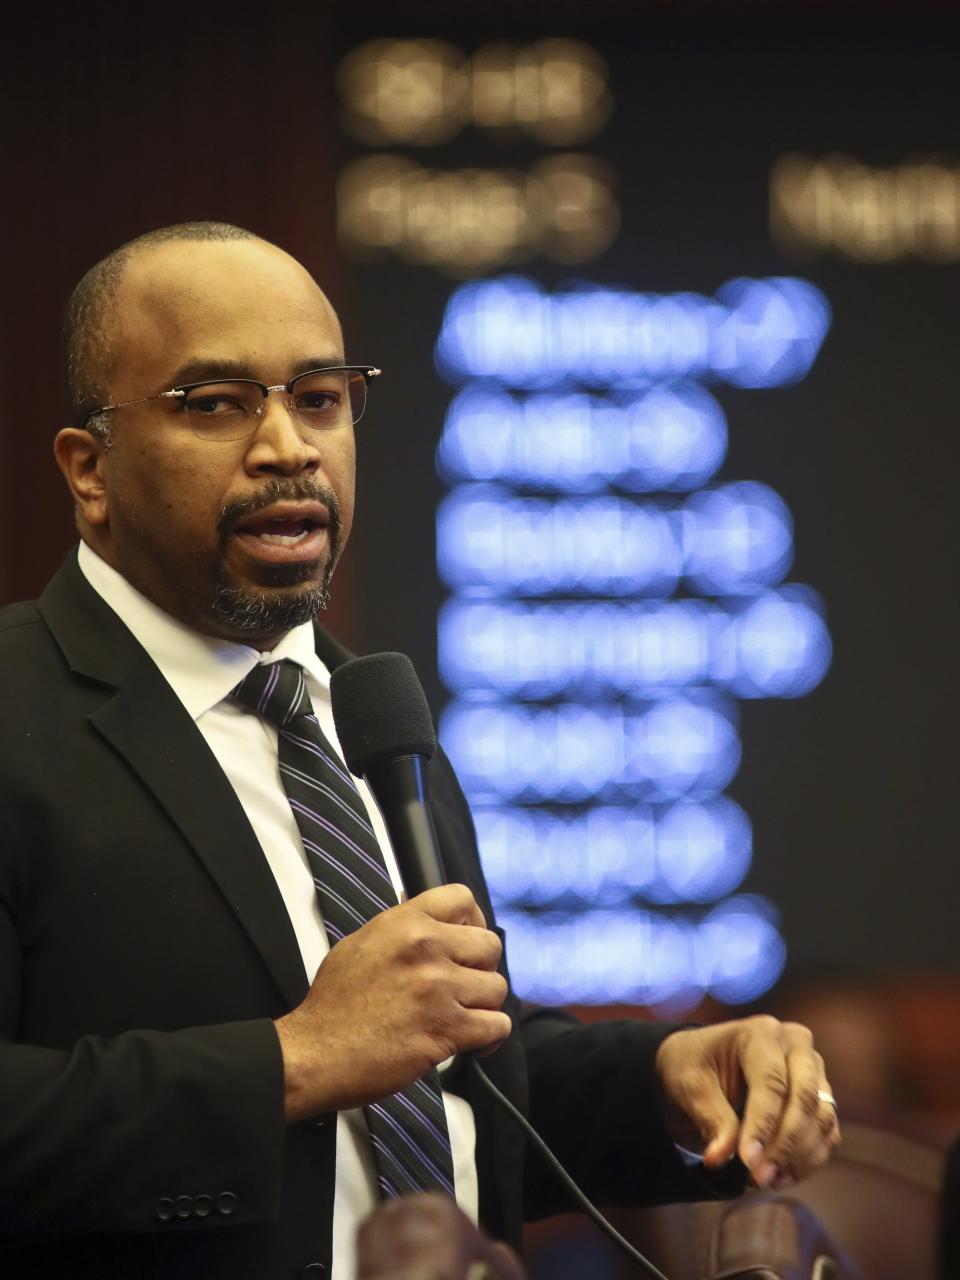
(755, 1088)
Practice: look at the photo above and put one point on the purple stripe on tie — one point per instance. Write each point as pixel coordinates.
(405, 1138)
(332, 930)
(317, 750)
(331, 829)
(387, 1187)
(347, 875)
(288, 771)
(343, 803)
(424, 1120)
(326, 825)
(408, 1176)
(272, 679)
(341, 902)
(433, 1095)
(296, 697)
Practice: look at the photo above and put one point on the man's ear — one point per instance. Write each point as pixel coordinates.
(81, 456)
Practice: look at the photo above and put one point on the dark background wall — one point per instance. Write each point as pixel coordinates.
(114, 125)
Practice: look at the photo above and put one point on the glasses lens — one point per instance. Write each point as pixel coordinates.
(329, 397)
(323, 399)
(223, 410)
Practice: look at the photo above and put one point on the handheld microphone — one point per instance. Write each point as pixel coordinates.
(386, 732)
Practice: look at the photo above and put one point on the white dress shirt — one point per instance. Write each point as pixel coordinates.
(202, 671)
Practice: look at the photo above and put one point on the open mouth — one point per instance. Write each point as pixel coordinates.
(286, 532)
(280, 532)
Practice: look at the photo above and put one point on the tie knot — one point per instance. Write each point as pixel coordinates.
(276, 691)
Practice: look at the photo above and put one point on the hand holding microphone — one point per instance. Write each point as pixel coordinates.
(419, 982)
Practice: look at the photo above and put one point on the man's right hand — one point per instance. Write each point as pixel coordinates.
(415, 985)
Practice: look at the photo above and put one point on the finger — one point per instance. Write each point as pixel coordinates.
(821, 1151)
(482, 1030)
(474, 989)
(830, 1123)
(696, 1090)
(467, 945)
(453, 903)
(810, 1146)
(763, 1061)
(827, 1114)
(800, 1144)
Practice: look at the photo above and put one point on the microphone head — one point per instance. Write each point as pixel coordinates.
(380, 711)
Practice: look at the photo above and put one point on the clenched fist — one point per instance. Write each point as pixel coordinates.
(415, 985)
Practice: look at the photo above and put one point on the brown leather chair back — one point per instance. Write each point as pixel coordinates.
(758, 1237)
(871, 1212)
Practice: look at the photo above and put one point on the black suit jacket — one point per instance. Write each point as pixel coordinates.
(145, 951)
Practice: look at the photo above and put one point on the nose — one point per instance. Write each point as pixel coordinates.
(280, 444)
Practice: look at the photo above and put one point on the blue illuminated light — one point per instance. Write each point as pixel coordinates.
(689, 851)
(736, 538)
(775, 645)
(488, 538)
(753, 333)
(772, 334)
(570, 753)
(539, 650)
(725, 541)
(740, 953)
(734, 953)
(779, 646)
(671, 439)
(594, 722)
(605, 956)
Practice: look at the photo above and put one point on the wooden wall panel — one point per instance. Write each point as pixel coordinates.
(111, 127)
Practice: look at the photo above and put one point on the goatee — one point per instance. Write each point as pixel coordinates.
(275, 608)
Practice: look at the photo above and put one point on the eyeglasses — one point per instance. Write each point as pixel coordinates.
(322, 399)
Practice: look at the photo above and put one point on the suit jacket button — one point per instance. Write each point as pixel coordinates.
(313, 1271)
(164, 1209)
(227, 1203)
(202, 1206)
(183, 1206)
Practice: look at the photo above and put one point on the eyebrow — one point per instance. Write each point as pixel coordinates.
(215, 370)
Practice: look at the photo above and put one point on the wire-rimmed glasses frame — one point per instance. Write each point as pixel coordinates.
(229, 408)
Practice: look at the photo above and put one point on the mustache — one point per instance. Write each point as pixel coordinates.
(301, 489)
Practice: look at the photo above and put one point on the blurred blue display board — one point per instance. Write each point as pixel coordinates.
(611, 599)
(670, 327)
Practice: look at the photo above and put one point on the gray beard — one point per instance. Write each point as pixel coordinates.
(261, 613)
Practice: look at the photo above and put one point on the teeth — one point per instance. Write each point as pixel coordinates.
(283, 539)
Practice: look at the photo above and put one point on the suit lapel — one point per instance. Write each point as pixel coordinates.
(330, 652)
(143, 720)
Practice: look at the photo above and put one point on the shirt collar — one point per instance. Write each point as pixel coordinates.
(201, 670)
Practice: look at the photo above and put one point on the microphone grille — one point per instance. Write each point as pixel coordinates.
(380, 711)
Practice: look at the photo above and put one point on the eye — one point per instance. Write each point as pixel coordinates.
(320, 396)
(220, 401)
(318, 402)
(210, 406)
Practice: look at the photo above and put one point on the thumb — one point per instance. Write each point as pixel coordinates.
(718, 1124)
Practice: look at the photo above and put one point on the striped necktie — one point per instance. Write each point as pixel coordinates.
(408, 1130)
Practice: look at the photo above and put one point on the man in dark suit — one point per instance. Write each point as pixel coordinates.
(185, 1057)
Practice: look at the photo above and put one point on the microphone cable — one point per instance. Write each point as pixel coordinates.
(581, 1198)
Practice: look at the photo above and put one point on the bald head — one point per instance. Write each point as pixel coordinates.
(88, 336)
